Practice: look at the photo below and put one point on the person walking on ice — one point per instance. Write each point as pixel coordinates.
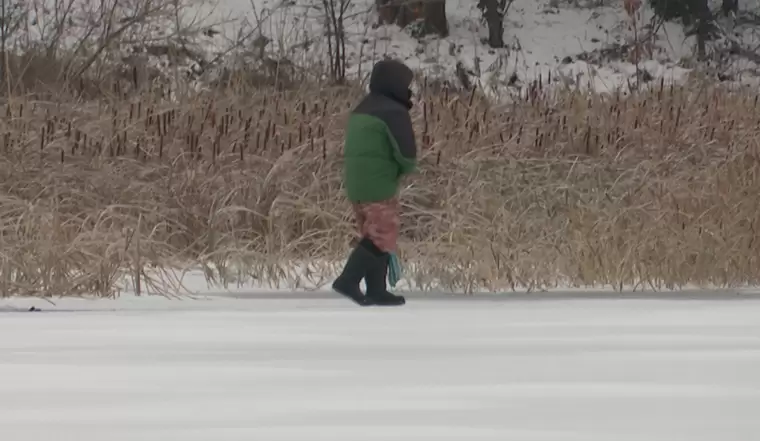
(379, 150)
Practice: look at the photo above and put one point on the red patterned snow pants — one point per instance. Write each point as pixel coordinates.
(379, 221)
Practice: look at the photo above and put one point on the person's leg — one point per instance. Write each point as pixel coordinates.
(359, 262)
(382, 229)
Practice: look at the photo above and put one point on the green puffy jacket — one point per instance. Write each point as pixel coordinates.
(380, 146)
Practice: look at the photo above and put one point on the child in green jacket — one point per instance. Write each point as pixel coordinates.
(379, 150)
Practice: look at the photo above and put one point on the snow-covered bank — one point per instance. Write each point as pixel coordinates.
(575, 46)
(580, 44)
(326, 370)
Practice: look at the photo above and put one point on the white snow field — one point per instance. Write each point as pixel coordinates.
(574, 367)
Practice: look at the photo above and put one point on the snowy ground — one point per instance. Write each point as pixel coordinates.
(312, 367)
(542, 37)
(569, 40)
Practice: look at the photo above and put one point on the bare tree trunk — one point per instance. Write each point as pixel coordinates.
(387, 10)
(405, 12)
(704, 19)
(730, 6)
(492, 11)
(435, 18)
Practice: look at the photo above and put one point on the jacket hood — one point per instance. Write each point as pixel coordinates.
(392, 78)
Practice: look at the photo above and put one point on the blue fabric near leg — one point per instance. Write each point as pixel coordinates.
(394, 270)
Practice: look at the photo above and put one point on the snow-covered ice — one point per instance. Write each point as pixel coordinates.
(313, 367)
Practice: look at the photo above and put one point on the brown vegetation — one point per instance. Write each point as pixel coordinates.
(658, 189)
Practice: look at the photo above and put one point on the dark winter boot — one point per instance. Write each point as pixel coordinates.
(359, 263)
(376, 278)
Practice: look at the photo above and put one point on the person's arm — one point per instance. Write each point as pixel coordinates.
(402, 137)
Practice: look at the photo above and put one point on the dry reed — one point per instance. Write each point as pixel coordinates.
(656, 190)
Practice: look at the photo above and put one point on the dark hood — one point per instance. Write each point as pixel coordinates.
(392, 78)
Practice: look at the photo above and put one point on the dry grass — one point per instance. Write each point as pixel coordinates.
(658, 189)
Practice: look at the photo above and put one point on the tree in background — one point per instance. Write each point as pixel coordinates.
(695, 16)
(428, 15)
(494, 12)
(12, 16)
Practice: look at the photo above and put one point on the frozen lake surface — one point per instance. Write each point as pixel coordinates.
(263, 369)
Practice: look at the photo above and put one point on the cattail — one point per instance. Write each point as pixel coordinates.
(587, 140)
(75, 146)
(197, 148)
(267, 133)
(662, 86)
(149, 118)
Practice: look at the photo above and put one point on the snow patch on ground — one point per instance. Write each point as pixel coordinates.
(543, 42)
(190, 286)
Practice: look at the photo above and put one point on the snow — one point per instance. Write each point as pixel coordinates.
(313, 367)
(540, 36)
